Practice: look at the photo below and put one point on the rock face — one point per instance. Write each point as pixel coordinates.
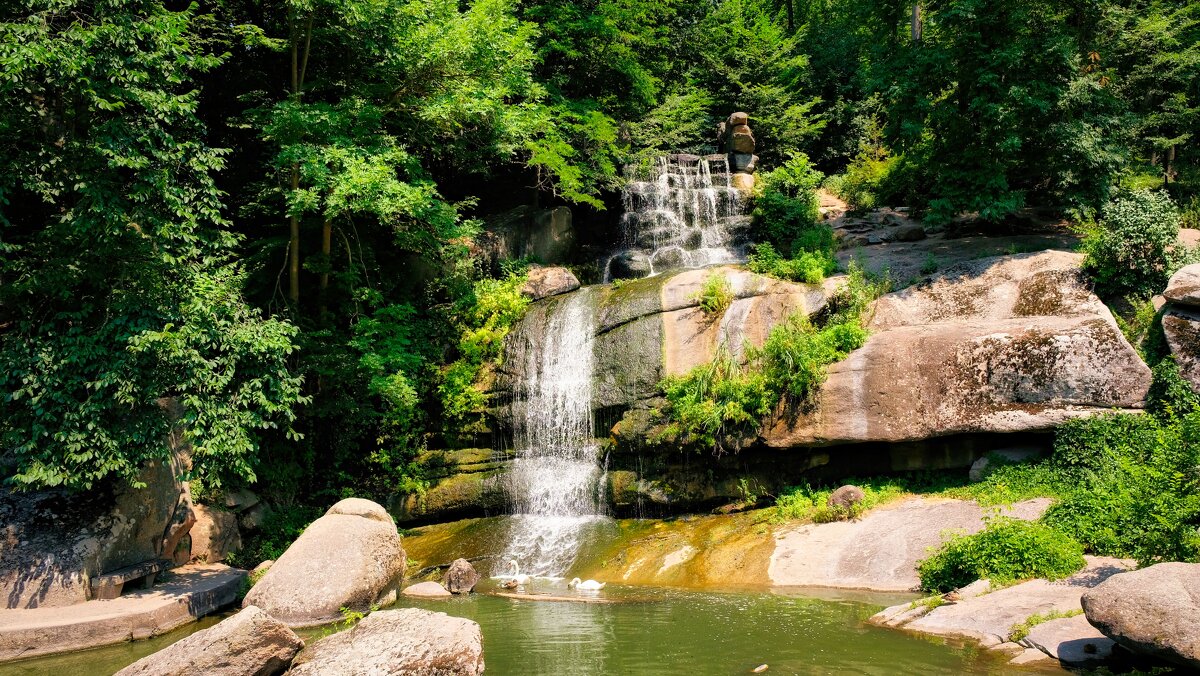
(548, 235)
(215, 535)
(251, 643)
(351, 557)
(461, 577)
(466, 482)
(1181, 321)
(546, 282)
(1008, 344)
(54, 542)
(408, 641)
(1153, 611)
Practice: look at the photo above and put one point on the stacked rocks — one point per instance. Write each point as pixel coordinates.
(1181, 321)
(738, 141)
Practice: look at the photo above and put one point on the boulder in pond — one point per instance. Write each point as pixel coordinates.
(545, 282)
(349, 558)
(251, 643)
(461, 577)
(409, 641)
(1153, 611)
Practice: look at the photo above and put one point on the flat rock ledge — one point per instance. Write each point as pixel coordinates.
(191, 593)
(879, 551)
(990, 617)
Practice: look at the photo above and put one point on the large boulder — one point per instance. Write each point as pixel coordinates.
(1155, 611)
(1006, 344)
(545, 282)
(1184, 286)
(215, 534)
(461, 577)
(349, 558)
(409, 641)
(1181, 326)
(251, 643)
(53, 542)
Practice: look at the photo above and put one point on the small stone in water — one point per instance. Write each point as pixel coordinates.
(759, 669)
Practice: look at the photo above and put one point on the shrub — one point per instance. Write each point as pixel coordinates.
(786, 205)
(715, 405)
(805, 502)
(715, 295)
(1005, 551)
(1131, 250)
(795, 355)
(808, 267)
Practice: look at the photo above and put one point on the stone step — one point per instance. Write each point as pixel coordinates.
(190, 593)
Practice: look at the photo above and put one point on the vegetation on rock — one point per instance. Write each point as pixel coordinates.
(1005, 551)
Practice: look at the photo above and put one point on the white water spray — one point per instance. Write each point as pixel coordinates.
(555, 481)
(683, 212)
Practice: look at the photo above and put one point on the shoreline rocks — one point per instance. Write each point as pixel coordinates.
(386, 642)
(1153, 611)
(349, 558)
(248, 643)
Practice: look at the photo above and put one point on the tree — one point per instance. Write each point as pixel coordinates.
(117, 292)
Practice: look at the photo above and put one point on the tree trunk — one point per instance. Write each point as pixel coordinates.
(791, 17)
(298, 69)
(326, 238)
(916, 22)
(1168, 157)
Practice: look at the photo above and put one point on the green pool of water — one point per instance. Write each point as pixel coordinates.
(654, 631)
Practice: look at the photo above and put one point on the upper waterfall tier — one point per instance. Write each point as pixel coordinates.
(680, 212)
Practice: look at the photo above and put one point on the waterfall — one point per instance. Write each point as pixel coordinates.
(554, 483)
(681, 212)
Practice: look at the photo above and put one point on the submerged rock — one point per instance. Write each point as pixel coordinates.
(1153, 611)
(426, 590)
(251, 643)
(461, 577)
(386, 642)
(349, 558)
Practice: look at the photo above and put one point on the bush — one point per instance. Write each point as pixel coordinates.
(808, 267)
(795, 355)
(715, 405)
(1005, 551)
(786, 208)
(715, 295)
(808, 503)
(1132, 249)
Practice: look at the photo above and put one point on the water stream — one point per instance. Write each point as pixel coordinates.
(681, 212)
(555, 482)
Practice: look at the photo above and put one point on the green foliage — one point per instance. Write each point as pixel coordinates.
(1021, 630)
(1142, 328)
(484, 318)
(1130, 251)
(280, 528)
(715, 294)
(796, 354)
(1006, 550)
(806, 503)
(809, 267)
(717, 405)
(786, 209)
(118, 299)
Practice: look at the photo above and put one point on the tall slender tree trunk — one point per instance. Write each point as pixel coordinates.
(298, 67)
(326, 238)
(916, 22)
(791, 17)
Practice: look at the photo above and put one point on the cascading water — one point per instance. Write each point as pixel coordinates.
(682, 212)
(555, 481)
